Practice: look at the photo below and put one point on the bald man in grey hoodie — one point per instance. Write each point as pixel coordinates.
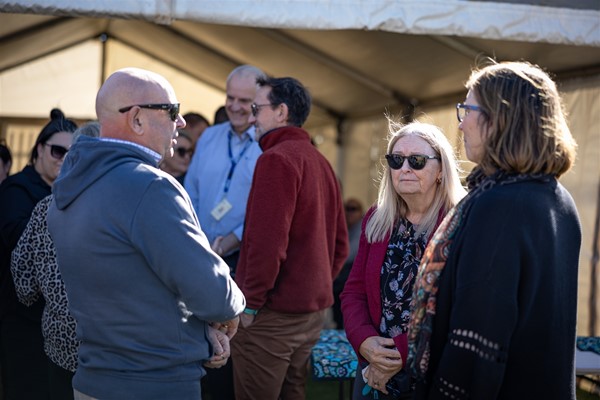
(153, 302)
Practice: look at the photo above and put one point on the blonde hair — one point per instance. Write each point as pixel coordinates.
(523, 120)
(391, 206)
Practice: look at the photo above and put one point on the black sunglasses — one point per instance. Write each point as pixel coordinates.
(256, 107)
(181, 152)
(415, 161)
(56, 151)
(173, 109)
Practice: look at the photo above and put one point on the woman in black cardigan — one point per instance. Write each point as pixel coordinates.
(23, 361)
(495, 303)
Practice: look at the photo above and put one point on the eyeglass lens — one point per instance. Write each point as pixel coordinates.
(462, 110)
(255, 107)
(181, 152)
(57, 151)
(460, 113)
(174, 112)
(415, 161)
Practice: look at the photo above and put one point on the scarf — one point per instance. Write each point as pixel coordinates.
(423, 305)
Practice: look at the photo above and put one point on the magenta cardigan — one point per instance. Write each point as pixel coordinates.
(361, 298)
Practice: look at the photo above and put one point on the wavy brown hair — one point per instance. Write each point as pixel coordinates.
(523, 120)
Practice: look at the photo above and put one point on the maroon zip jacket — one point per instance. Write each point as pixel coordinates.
(295, 238)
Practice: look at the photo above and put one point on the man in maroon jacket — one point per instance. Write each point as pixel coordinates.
(295, 243)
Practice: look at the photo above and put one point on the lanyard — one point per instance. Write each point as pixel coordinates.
(234, 162)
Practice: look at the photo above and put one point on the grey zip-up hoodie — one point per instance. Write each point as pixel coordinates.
(135, 264)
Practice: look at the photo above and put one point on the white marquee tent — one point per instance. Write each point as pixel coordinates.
(359, 58)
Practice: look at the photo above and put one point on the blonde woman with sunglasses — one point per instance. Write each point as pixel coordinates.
(419, 185)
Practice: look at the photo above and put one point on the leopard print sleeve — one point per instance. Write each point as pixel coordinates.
(31, 254)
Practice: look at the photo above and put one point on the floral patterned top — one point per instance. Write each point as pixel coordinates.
(398, 274)
(35, 272)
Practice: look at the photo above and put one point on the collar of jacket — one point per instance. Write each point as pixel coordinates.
(282, 134)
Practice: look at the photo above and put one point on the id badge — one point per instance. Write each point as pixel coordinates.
(221, 209)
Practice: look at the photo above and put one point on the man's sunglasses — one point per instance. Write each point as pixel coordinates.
(181, 152)
(172, 109)
(415, 161)
(56, 151)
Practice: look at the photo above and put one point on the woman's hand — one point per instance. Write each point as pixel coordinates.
(377, 378)
(381, 353)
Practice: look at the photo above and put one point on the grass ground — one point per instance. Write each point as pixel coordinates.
(328, 390)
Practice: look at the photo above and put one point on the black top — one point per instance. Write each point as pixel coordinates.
(19, 194)
(507, 302)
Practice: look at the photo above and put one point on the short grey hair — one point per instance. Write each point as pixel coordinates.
(246, 70)
(91, 129)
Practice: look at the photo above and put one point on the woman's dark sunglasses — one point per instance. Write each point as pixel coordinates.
(172, 109)
(57, 151)
(415, 161)
(181, 152)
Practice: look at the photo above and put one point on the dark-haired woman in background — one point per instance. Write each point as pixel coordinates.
(177, 164)
(35, 273)
(5, 162)
(24, 364)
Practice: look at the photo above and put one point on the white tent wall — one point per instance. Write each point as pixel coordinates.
(192, 94)
(582, 101)
(74, 76)
(358, 57)
(364, 145)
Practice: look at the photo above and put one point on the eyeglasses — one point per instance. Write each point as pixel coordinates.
(173, 109)
(256, 107)
(415, 161)
(56, 151)
(462, 110)
(181, 152)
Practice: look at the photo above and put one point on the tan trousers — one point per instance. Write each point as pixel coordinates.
(270, 357)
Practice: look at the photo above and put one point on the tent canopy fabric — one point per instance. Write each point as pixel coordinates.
(357, 57)
(505, 20)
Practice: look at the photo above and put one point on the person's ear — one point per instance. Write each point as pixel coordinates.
(282, 113)
(136, 121)
(40, 148)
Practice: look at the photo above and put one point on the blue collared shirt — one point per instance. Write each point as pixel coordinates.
(157, 157)
(206, 179)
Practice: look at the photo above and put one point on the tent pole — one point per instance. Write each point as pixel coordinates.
(594, 265)
(103, 39)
